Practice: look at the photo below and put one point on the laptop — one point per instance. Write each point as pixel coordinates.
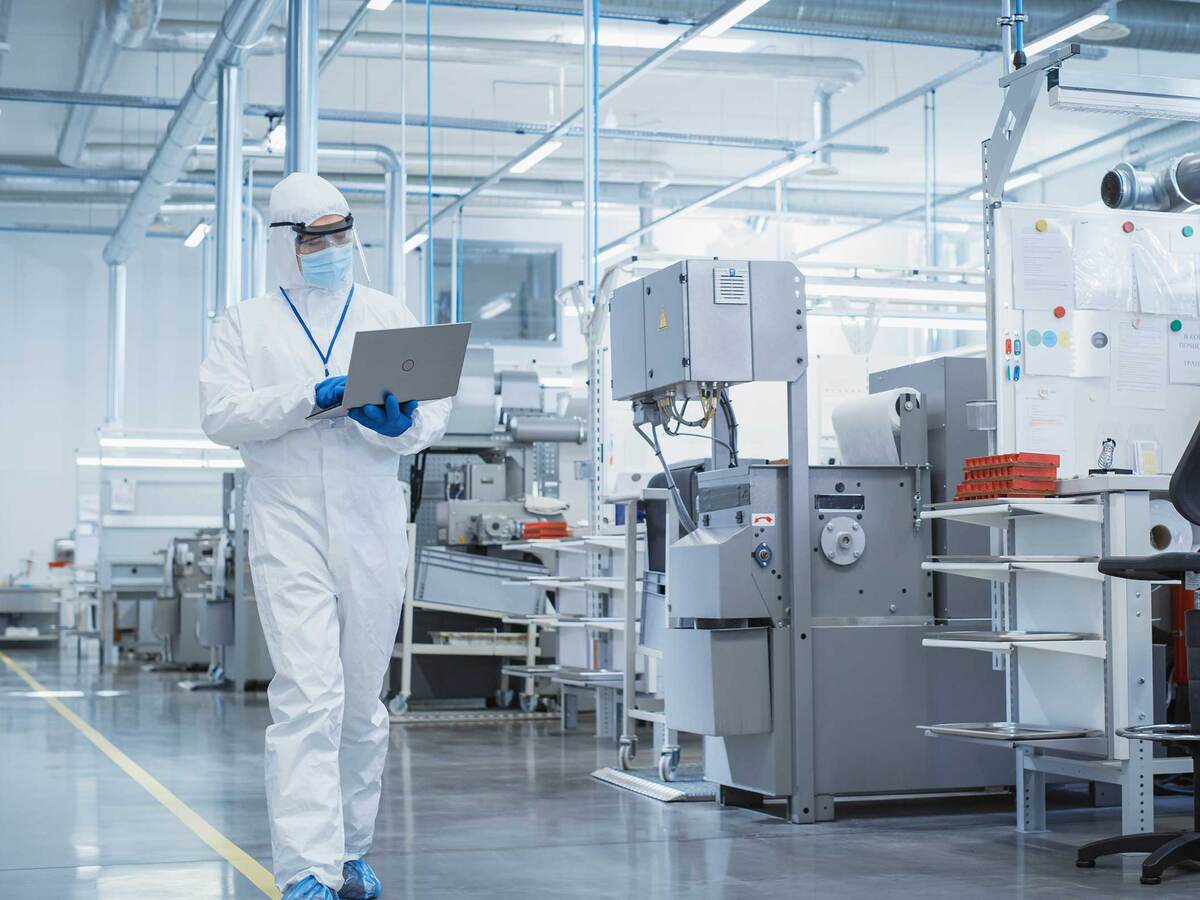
(422, 363)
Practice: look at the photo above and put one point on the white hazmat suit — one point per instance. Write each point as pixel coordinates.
(328, 548)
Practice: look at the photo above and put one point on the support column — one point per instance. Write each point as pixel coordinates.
(116, 344)
(393, 200)
(300, 91)
(229, 188)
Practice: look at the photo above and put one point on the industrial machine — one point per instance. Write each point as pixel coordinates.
(796, 599)
(493, 480)
(206, 608)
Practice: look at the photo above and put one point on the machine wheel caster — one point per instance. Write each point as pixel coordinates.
(668, 765)
(398, 705)
(504, 698)
(1150, 879)
(529, 703)
(1085, 864)
(625, 755)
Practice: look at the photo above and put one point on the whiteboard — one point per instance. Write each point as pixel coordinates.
(1106, 276)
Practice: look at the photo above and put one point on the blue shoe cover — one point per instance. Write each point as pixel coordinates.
(359, 881)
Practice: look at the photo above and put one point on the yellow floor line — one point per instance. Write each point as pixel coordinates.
(235, 855)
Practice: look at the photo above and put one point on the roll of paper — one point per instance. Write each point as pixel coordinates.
(867, 429)
(1170, 532)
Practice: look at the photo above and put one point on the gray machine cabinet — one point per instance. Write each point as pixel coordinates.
(946, 384)
(708, 320)
(718, 681)
(886, 580)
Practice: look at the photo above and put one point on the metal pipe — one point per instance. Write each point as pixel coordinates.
(648, 64)
(229, 188)
(119, 24)
(419, 120)
(1174, 187)
(968, 191)
(244, 23)
(300, 88)
(808, 147)
(344, 35)
(116, 343)
(822, 125)
(184, 36)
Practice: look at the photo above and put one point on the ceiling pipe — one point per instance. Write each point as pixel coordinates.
(836, 72)
(300, 88)
(229, 188)
(419, 120)
(344, 35)
(822, 124)
(648, 171)
(244, 23)
(1152, 24)
(120, 24)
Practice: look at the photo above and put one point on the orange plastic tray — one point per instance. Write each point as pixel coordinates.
(1010, 470)
(1023, 458)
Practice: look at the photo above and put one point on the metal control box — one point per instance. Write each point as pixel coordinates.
(708, 320)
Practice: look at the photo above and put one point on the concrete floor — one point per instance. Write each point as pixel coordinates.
(477, 811)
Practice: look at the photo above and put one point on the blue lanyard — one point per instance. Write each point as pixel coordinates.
(333, 340)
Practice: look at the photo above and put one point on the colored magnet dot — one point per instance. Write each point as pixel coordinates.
(1127, 227)
(1188, 231)
(1034, 338)
(1049, 338)
(1040, 224)
(1176, 325)
(1060, 312)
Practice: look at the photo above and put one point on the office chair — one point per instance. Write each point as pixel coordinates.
(1166, 848)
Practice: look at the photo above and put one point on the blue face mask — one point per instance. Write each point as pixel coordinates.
(328, 268)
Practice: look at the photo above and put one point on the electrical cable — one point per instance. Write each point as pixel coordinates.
(685, 516)
(732, 422)
(416, 484)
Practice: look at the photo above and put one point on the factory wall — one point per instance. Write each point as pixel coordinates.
(54, 297)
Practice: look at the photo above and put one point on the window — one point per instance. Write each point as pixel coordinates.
(505, 288)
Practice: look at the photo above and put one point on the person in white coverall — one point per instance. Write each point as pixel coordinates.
(327, 515)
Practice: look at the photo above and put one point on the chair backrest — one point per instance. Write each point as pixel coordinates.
(1191, 638)
(1185, 483)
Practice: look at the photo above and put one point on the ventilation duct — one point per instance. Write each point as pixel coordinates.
(1174, 187)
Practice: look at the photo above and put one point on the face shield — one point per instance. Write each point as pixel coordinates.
(311, 239)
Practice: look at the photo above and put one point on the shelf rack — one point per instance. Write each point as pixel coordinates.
(1044, 577)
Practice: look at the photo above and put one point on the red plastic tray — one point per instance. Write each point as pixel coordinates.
(1023, 458)
(1002, 484)
(1010, 470)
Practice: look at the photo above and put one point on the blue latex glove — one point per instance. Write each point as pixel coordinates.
(391, 418)
(359, 881)
(308, 888)
(329, 392)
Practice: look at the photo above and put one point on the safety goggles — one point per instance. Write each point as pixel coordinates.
(314, 238)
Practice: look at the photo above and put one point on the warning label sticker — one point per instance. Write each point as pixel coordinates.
(762, 519)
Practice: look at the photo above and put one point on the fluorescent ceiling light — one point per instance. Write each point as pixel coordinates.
(657, 39)
(1015, 182)
(151, 462)
(1144, 96)
(197, 235)
(931, 292)
(415, 241)
(494, 308)
(378, 5)
(787, 167)
(731, 18)
(1068, 31)
(277, 138)
(533, 157)
(945, 324)
(161, 443)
